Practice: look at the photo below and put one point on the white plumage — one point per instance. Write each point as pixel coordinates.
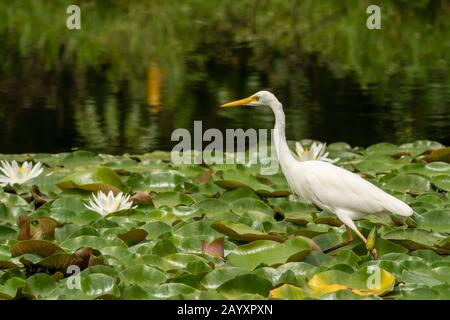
(330, 187)
(333, 188)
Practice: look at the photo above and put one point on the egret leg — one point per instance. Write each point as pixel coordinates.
(350, 224)
(349, 232)
(360, 235)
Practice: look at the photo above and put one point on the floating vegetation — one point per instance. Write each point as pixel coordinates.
(220, 231)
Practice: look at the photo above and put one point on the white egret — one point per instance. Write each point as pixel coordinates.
(329, 187)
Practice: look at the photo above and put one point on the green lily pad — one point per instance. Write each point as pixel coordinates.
(171, 199)
(8, 290)
(39, 286)
(98, 285)
(238, 193)
(243, 232)
(251, 255)
(232, 179)
(7, 233)
(409, 183)
(145, 276)
(435, 220)
(442, 182)
(98, 179)
(171, 290)
(190, 238)
(414, 239)
(80, 158)
(294, 211)
(217, 277)
(246, 283)
(419, 147)
(94, 242)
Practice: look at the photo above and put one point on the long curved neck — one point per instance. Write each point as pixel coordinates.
(284, 154)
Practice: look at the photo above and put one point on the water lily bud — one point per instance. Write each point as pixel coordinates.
(372, 239)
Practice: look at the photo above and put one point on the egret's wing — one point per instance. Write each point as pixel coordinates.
(335, 188)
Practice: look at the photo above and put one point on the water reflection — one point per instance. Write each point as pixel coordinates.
(109, 117)
(154, 87)
(337, 81)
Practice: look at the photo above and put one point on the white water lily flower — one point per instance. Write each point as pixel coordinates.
(107, 203)
(13, 173)
(316, 152)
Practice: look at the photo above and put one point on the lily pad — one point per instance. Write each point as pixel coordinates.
(142, 275)
(409, 183)
(370, 280)
(40, 247)
(289, 292)
(442, 154)
(8, 290)
(268, 252)
(243, 232)
(442, 182)
(171, 199)
(435, 220)
(189, 238)
(98, 179)
(247, 283)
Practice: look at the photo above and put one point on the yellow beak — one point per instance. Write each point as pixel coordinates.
(240, 102)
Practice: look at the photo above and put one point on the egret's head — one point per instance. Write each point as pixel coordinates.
(261, 98)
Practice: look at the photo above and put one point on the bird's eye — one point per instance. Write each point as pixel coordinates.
(256, 98)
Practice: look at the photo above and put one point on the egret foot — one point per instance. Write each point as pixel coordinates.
(373, 252)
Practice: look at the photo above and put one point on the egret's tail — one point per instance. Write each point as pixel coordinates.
(397, 206)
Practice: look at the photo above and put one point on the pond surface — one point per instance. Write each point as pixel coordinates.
(104, 117)
(343, 90)
(58, 115)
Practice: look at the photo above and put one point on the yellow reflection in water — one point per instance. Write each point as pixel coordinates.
(154, 87)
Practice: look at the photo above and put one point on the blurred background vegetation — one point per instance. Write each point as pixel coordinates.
(138, 69)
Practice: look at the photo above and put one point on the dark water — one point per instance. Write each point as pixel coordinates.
(59, 111)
